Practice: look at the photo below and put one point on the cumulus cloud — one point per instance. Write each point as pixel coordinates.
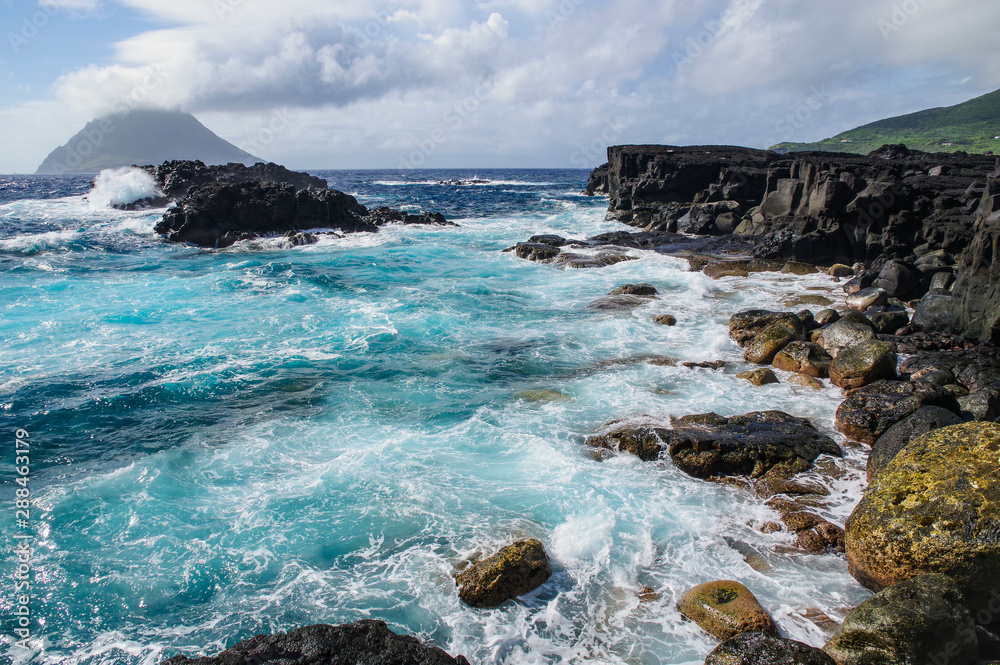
(549, 79)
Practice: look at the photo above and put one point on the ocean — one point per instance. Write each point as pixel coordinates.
(250, 440)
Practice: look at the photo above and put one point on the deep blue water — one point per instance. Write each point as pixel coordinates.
(249, 440)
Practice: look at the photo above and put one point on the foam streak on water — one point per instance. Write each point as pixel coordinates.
(250, 440)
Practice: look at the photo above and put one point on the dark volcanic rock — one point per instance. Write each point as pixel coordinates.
(763, 649)
(869, 412)
(513, 571)
(220, 214)
(898, 436)
(364, 642)
(710, 445)
(597, 183)
(178, 177)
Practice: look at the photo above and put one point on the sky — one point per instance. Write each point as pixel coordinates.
(392, 84)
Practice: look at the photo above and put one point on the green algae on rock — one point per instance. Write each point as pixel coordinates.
(934, 509)
(513, 571)
(726, 609)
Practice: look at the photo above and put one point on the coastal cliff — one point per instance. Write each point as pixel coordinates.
(927, 216)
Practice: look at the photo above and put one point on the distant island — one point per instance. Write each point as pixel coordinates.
(142, 137)
(973, 127)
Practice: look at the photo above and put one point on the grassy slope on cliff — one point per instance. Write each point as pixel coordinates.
(971, 126)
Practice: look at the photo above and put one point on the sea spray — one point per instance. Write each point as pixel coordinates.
(118, 187)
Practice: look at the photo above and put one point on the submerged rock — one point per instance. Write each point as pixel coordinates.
(758, 648)
(759, 377)
(934, 509)
(813, 533)
(726, 609)
(515, 570)
(922, 621)
(364, 642)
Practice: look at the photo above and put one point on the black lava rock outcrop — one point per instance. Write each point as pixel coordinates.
(364, 642)
(218, 214)
(916, 220)
(178, 177)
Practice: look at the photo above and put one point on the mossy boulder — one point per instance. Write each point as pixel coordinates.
(766, 345)
(726, 609)
(759, 377)
(763, 649)
(934, 509)
(863, 364)
(514, 571)
(745, 326)
(922, 621)
(804, 358)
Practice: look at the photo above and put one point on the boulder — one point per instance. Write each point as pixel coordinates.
(618, 303)
(887, 323)
(805, 381)
(840, 270)
(665, 320)
(709, 445)
(843, 334)
(642, 290)
(982, 404)
(762, 349)
(745, 326)
(922, 621)
(867, 298)
(513, 571)
(762, 649)
(726, 609)
(897, 437)
(536, 251)
(934, 509)
(364, 642)
(863, 364)
(901, 280)
(804, 358)
(869, 412)
(813, 533)
(825, 317)
(759, 377)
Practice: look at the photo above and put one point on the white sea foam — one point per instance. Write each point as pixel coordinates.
(116, 187)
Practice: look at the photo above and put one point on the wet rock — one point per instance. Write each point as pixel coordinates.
(759, 377)
(725, 609)
(813, 533)
(825, 317)
(364, 642)
(709, 445)
(599, 260)
(766, 345)
(843, 334)
(840, 270)
(981, 405)
(799, 268)
(867, 298)
(869, 412)
(934, 509)
(643, 290)
(897, 437)
(536, 251)
(922, 621)
(758, 648)
(745, 326)
(805, 381)
(665, 320)
(863, 364)
(901, 280)
(889, 322)
(804, 358)
(515, 570)
(618, 303)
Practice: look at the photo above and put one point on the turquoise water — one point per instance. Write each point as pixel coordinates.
(254, 439)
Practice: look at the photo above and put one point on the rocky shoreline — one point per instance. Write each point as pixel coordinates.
(912, 236)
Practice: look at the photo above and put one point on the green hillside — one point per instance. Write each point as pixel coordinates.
(972, 126)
